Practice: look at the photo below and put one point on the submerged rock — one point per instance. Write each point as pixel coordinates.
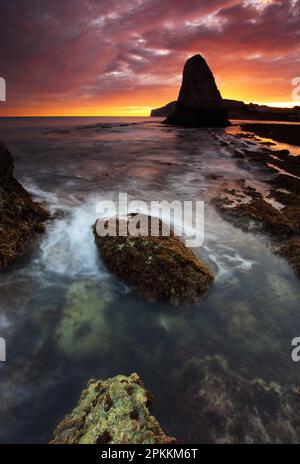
(20, 217)
(224, 407)
(83, 329)
(159, 267)
(199, 102)
(114, 411)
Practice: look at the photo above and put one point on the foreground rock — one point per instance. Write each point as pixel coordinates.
(114, 411)
(199, 102)
(159, 267)
(224, 407)
(20, 217)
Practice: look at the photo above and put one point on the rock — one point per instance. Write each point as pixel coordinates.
(286, 133)
(291, 251)
(289, 183)
(293, 215)
(224, 407)
(257, 216)
(164, 111)
(159, 267)
(240, 110)
(20, 217)
(199, 102)
(114, 411)
(83, 330)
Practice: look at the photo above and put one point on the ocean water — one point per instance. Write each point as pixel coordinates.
(66, 319)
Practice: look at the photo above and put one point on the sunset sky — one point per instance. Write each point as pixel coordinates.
(123, 57)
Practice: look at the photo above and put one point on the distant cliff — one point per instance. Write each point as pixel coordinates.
(240, 110)
(164, 111)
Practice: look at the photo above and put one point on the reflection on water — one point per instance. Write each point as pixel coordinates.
(66, 319)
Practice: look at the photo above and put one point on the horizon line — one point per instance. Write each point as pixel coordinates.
(279, 105)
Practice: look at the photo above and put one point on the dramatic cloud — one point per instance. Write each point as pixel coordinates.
(110, 56)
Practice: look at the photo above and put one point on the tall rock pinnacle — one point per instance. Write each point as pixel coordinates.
(199, 102)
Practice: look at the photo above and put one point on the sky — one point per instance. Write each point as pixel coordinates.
(124, 57)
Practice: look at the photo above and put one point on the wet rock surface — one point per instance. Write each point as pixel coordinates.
(20, 218)
(199, 102)
(112, 411)
(225, 408)
(291, 251)
(259, 216)
(159, 267)
(281, 132)
(276, 211)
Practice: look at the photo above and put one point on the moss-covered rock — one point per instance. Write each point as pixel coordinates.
(159, 267)
(20, 217)
(112, 411)
(257, 215)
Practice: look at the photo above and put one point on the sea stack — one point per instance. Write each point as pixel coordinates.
(199, 103)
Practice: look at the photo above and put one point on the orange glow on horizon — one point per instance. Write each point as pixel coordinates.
(140, 103)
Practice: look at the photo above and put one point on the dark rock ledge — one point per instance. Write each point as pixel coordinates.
(20, 218)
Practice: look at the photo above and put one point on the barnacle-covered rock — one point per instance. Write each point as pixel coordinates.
(114, 411)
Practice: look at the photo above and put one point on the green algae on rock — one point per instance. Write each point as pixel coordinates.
(114, 411)
(160, 267)
(83, 329)
(20, 217)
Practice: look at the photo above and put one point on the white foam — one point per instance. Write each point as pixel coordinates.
(69, 246)
(228, 265)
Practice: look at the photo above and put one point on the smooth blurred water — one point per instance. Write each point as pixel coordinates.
(66, 319)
